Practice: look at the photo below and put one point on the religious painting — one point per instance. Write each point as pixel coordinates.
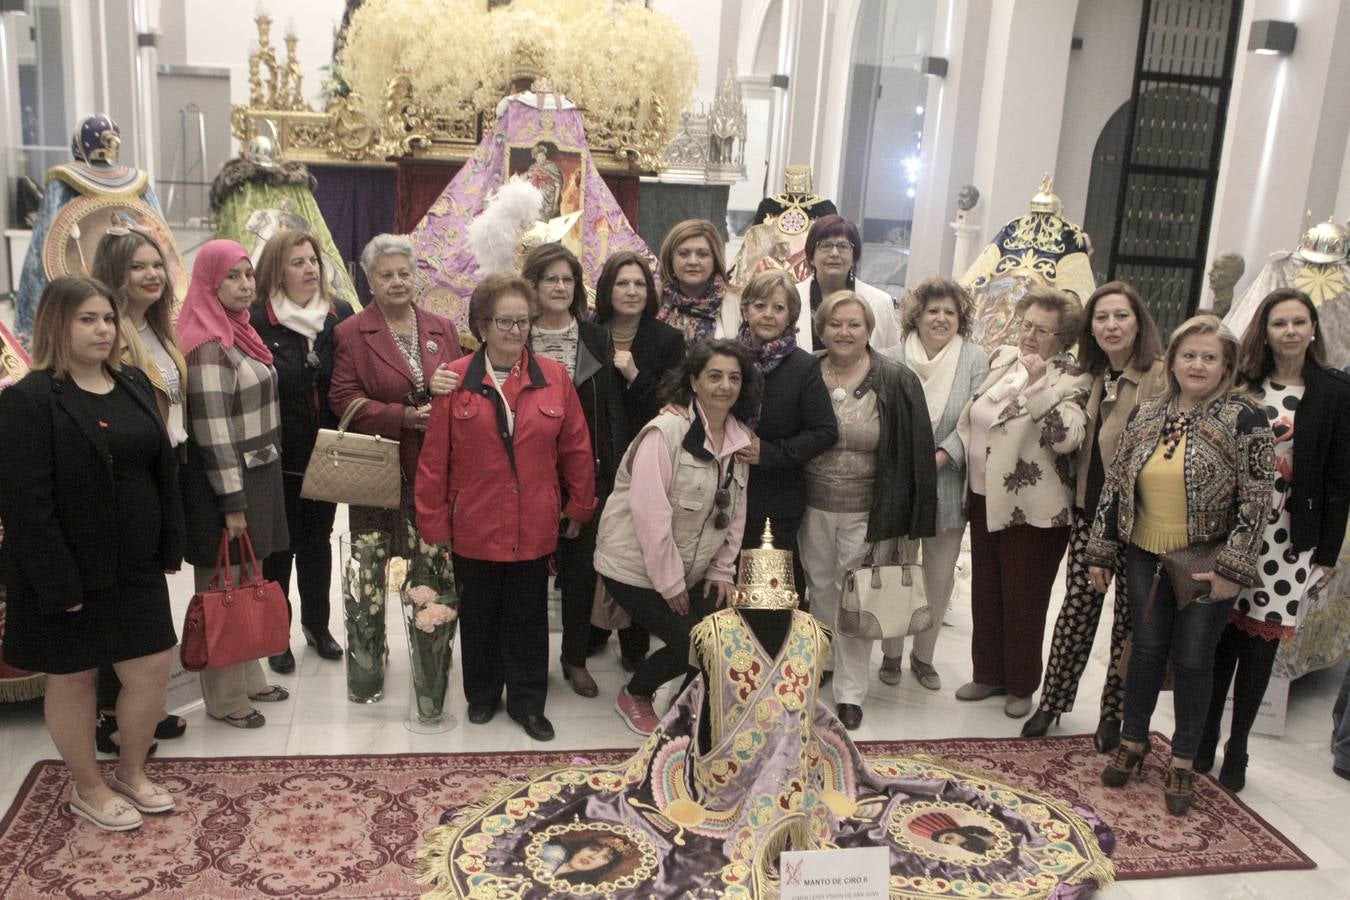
(77, 228)
(264, 222)
(589, 857)
(559, 176)
(951, 832)
(995, 322)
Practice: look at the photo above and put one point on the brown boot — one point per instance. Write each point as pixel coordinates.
(1125, 763)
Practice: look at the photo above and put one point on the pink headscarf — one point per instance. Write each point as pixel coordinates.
(203, 318)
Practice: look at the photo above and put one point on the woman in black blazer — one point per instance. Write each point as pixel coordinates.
(89, 497)
(796, 418)
(295, 317)
(644, 351)
(560, 333)
(1308, 408)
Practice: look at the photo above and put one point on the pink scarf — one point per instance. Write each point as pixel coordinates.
(203, 318)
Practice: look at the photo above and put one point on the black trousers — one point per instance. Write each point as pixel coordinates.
(503, 626)
(311, 526)
(576, 581)
(1251, 660)
(650, 610)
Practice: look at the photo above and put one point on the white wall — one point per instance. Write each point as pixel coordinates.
(1287, 118)
(1099, 81)
(702, 19)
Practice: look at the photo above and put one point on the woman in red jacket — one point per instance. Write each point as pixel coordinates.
(488, 484)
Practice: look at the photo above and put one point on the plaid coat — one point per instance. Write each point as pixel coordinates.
(234, 426)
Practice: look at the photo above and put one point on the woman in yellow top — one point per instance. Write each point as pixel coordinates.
(1193, 467)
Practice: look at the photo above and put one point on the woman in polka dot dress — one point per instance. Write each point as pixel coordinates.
(1283, 364)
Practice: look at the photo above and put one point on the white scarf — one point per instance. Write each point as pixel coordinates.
(1011, 383)
(306, 320)
(936, 374)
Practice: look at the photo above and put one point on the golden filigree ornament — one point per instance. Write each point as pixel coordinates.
(1321, 281)
(766, 580)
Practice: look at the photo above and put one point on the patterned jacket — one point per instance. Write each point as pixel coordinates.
(1230, 468)
(1030, 452)
(235, 419)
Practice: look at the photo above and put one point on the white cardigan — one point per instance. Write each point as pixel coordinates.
(886, 334)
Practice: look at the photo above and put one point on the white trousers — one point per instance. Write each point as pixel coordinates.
(939, 577)
(831, 544)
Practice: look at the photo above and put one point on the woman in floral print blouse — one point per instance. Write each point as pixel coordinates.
(1021, 432)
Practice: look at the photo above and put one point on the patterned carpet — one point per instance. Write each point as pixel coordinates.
(349, 826)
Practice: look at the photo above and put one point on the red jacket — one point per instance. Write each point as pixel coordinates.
(369, 364)
(496, 495)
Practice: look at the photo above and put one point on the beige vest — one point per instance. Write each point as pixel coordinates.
(693, 486)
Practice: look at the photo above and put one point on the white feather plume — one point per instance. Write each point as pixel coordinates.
(495, 233)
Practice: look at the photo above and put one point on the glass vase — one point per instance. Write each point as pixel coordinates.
(364, 558)
(430, 614)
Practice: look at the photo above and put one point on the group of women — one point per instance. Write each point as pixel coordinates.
(632, 447)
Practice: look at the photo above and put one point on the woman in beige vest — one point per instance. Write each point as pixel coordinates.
(672, 526)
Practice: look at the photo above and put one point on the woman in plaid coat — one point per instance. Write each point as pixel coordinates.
(232, 481)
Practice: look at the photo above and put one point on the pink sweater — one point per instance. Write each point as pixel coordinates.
(649, 501)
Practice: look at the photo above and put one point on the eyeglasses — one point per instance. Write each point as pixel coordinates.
(835, 246)
(1027, 328)
(504, 325)
(556, 280)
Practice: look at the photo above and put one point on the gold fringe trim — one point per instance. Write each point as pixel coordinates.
(17, 690)
(1099, 864)
(133, 188)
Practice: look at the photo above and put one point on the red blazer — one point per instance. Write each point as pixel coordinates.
(369, 364)
(496, 495)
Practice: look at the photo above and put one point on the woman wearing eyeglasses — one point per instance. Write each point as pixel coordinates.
(507, 464)
(672, 528)
(833, 248)
(396, 355)
(1021, 432)
(587, 352)
(296, 318)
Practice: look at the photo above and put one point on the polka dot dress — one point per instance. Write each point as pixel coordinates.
(1274, 603)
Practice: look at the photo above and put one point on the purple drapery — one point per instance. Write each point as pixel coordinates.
(357, 203)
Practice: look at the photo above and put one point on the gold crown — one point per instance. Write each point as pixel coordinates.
(797, 179)
(765, 580)
(1046, 201)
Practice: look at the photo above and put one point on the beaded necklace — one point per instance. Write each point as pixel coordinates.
(1175, 429)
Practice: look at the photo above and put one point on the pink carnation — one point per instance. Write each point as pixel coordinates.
(422, 595)
(430, 617)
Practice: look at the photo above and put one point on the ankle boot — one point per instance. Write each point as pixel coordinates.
(1125, 763)
(1233, 772)
(1180, 791)
(1107, 736)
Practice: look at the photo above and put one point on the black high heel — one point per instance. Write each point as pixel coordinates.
(106, 728)
(322, 641)
(1107, 736)
(1039, 723)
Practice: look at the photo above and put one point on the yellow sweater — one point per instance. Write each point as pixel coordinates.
(1160, 521)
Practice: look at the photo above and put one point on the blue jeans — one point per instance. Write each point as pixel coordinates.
(1340, 736)
(1188, 637)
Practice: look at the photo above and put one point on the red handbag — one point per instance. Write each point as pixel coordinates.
(235, 623)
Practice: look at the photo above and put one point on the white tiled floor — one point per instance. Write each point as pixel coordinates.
(1290, 781)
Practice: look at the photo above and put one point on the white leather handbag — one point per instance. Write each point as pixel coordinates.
(886, 599)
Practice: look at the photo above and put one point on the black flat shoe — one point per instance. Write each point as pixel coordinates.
(322, 642)
(581, 680)
(482, 713)
(107, 727)
(536, 726)
(282, 663)
(170, 727)
(1039, 723)
(1107, 736)
(850, 715)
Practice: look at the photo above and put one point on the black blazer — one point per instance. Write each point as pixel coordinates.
(57, 493)
(657, 348)
(598, 385)
(904, 500)
(1320, 498)
(302, 388)
(796, 424)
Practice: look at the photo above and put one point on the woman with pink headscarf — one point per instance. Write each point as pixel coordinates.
(232, 481)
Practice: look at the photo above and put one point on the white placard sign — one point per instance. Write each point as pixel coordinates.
(863, 873)
(185, 688)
